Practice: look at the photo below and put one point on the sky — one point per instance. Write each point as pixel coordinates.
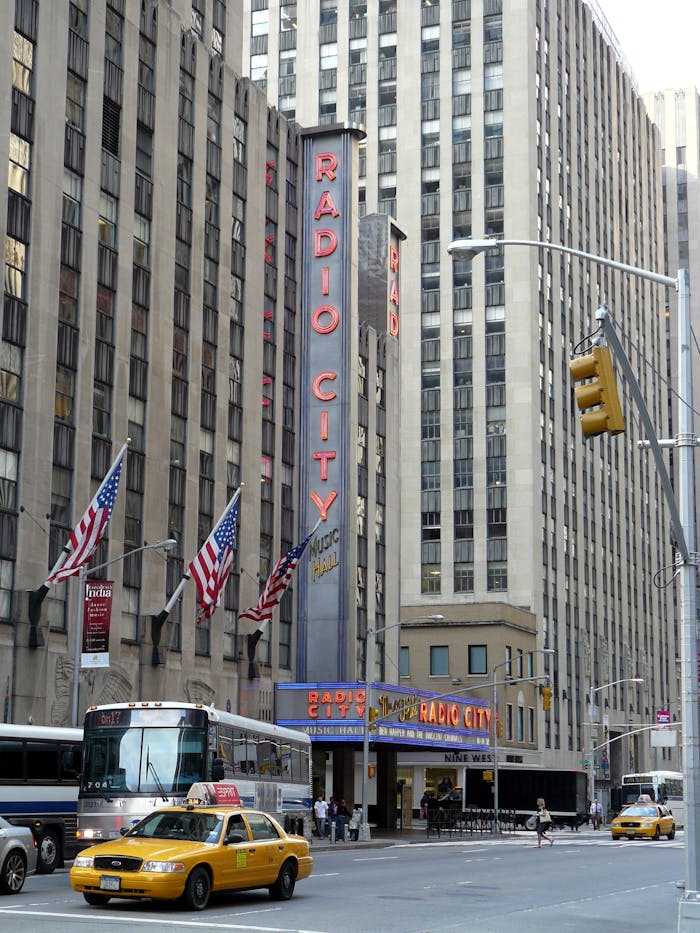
(659, 38)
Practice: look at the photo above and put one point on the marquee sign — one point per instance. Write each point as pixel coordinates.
(335, 711)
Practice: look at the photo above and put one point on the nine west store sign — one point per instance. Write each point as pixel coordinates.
(334, 712)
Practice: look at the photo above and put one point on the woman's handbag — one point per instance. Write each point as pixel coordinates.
(532, 822)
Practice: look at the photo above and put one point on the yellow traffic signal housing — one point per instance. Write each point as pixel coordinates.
(546, 698)
(373, 714)
(499, 728)
(600, 394)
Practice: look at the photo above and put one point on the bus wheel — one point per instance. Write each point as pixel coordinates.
(49, 852)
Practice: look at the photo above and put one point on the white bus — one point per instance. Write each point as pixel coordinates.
(662, 786)
(141, 756)
(39, 770)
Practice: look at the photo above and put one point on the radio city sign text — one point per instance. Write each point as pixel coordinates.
(325, 320)
(343, 703)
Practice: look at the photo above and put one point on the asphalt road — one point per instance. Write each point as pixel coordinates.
(585, 882)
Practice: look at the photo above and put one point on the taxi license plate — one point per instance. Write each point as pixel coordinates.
(109, 882)
(630, 832)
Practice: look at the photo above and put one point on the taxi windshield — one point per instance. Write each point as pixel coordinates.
(639, 811)
(192, 826)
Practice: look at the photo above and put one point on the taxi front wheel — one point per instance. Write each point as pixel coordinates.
(198, 889)
(283, 888)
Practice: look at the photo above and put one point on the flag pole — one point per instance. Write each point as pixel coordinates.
(158, 621)
(37, 596)
(254, 637)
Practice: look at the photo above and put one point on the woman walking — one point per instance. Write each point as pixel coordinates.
(544, 821)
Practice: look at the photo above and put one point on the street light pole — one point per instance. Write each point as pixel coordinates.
(364, 833)
(80, 608)
(684, 532)
(591, 756)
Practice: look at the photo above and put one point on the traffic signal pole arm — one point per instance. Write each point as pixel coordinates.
(651, 439)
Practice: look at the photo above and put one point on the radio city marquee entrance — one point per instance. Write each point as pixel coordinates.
(334, 712)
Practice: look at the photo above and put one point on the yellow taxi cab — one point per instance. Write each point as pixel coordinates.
(646, 819)
(186, 853)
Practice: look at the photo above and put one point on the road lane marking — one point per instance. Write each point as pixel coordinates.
(327, 874)
(377, 858)
(133, 921)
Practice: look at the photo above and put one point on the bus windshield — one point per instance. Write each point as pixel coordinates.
(142, 760)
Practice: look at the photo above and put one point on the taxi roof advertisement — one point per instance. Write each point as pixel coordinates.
(335, 712)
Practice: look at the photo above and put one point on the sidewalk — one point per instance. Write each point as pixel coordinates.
(417, 833)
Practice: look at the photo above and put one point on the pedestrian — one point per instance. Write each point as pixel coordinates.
(321, 815)
(544, 821)
(424, 801)
(596, 812)
(342, 815)
(354, 824)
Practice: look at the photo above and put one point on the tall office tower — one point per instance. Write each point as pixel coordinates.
(150, 222)
(676, 112)
(510, 119)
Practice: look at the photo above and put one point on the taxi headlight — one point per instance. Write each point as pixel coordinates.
(83, 861)
(163, 866)
(647, 824)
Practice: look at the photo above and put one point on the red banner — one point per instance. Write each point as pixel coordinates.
(97, 614)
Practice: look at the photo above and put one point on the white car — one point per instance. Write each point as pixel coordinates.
(17, 856)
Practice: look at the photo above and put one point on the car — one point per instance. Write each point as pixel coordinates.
(647, 820)
(17, 856)
(187, 853)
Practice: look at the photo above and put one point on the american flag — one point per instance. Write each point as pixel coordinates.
(277, 583)
(211, 566)
(88, 533)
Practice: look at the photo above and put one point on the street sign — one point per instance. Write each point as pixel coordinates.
(663, 717)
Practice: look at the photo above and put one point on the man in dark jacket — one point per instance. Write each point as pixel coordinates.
(342, 816)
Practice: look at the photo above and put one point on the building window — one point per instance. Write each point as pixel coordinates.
(439, 661)
(328, 55)
(404, 666)
(477, 659)
(430, 578)
(18, 168)
(509, 661)
(531, 724)
(509, 722)
(521, 724)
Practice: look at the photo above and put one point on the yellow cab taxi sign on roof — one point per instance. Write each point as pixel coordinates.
(209, 794)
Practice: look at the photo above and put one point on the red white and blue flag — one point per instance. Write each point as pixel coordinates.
(212, 565)
(90, 530)
(277, 583)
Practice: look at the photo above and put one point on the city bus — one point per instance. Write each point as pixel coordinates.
(141, 756)
(662, 786)
(39, 769)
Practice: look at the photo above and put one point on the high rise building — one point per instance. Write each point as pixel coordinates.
(153, 220)
(521, 120)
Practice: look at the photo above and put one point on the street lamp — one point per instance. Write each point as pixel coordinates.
(591, 756)
(363, 833)
(496, 824)
(683, 521)
(80, 609)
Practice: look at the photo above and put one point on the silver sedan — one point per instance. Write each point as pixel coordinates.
(17, 856)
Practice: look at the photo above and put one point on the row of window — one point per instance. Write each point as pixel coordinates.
(517, 665)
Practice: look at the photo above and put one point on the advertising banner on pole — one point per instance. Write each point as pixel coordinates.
(97, 614)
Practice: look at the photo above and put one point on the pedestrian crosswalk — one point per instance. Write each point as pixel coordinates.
(528, 840)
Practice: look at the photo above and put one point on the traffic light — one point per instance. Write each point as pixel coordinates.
(499, 728)
(370, 771)
(373, 714)
(600, 394)
(546, 698)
